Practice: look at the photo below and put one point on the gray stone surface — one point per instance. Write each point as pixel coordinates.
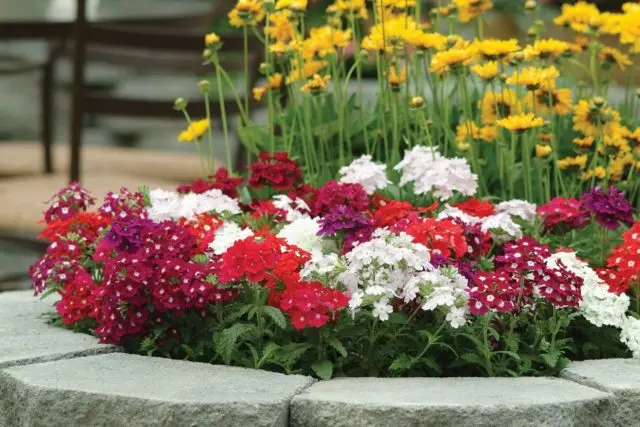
(126, 390)
(618, 376)
(444, 402)
(26, 338)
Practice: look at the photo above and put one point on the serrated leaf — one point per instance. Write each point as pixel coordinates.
(474, 358)
(287, 355)
(276, 315)
(401, 363)
(226, 343)
(337, 345)
(323, 369)
(551, 358)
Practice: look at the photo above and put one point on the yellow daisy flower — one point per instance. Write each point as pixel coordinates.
(194, 131)
(348, 8)
(452, 59)
(495, 105)
(395, 80)
(496, 50)
(487, 71)
(590, 117)
(211, 39)
(534, 78)
(521, 122)
(469, 9)
(309, 69)
(584, 142)
(467, 131)
(324, 41)
(280, 27)
(294, 5)
(577, 162)
(246, 12)
(316, 84)
(598, 172)
(489, 133)
(610, 55)
(424, 41)
(546, 49)
(558, 101)
(543, 150)
(581, 17)
(391, 35)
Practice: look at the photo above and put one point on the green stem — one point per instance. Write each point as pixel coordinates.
(223, 113)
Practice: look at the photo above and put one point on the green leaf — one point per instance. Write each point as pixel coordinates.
(401, 363)
(287, 355)
(516, 356)
(323, 369)
(276, 315)
(226, 342)
(337, 345)
(474, 359)
(551, 358)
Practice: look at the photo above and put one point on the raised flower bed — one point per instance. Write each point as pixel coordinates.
(478, 220)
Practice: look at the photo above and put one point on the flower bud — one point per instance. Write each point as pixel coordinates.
(265, 68)
(599, 101)
(180, 104)
(530, 5)
(211, 39)
(417, 102)
(204, 86)
(268, 5)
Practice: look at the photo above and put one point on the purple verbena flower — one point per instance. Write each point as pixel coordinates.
(342, 218)
(609, 209)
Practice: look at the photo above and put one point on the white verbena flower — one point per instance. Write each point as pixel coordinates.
(372, 176)
(501, 227)
(382, 308)
(519, 208)
(227, 235)
(443, 288)
(165, 205)
(213, 200)
(630, 335)
(303, 232)
(430, 172)
(382, 268)
(456, 213)
(295, 208)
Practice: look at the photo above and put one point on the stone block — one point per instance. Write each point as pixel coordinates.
(621, 377)
(442, 402)
(127, 390)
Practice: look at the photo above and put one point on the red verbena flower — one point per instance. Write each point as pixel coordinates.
(339, 193)
(67, 202)
(124, 205)
(475, 207)
(221, 181)
(444, 237)
(563, 212)
(276, 171)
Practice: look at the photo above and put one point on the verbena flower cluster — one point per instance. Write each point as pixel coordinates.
(328, 267)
